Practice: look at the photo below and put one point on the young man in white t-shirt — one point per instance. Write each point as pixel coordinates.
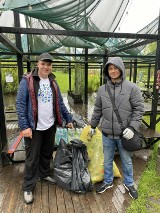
(40, 108)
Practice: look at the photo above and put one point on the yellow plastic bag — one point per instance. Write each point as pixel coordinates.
(95, 153)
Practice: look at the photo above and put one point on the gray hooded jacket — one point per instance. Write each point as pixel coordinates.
(128, 99)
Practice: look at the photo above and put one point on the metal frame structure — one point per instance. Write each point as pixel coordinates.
(16, 50)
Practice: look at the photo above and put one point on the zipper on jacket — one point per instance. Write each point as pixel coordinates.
(113, 113)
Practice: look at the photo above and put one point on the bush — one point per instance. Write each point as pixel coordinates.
(93, 82)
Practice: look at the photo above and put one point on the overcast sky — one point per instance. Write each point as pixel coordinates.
(139, 14)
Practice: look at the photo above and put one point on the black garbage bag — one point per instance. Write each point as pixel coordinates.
(62, 165)
(70, 167)
(81, 180)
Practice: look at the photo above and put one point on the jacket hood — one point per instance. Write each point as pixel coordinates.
(117, 61)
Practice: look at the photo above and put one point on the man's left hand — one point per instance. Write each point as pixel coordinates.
(70, 125)
(128, 133)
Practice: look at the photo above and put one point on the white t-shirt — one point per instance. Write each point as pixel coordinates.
(45, 105)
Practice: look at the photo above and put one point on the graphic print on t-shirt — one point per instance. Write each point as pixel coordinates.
(45, 105)
(45, 93)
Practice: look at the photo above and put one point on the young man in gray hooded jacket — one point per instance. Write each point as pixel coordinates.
(129, 102)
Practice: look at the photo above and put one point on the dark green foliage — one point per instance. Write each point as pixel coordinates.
(9, 87)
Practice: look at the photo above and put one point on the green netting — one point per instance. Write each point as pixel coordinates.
(41, 43)
(79, 15)
(120, 44)
(64, 13)
(74, 15)
(12, 4)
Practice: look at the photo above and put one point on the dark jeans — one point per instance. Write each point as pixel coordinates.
(39, 152)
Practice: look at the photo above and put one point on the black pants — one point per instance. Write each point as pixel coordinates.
(39, 152)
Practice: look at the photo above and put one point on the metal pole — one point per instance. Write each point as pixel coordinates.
(155, 91)
(130, 73)
(101, 75)
(135, 71)
(86, 77)
(19, 45)
(105, 59)
(3, 135)
(86, 61)
(69, 70)
(149, 73)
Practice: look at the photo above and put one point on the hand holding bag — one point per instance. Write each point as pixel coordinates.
(133, 144)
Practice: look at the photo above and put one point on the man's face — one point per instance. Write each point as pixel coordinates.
(44, 68)
(114, 72)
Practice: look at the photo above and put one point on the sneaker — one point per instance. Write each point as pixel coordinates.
(49, 179)
(28, 197)
(103, 187)
(132, 191)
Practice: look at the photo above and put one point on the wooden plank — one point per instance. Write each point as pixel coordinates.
(118, 199)
(20, 207)
(5, 176)
(105, 199)
(121, 198)
(100, 201)
(12, 191)
(93, 203)
(68, 201)
(28, 208)
(44, 200)
(76, 203)
(60, 200)
(149, 133)
(144, 154)
(52, 199)
(37, 204)
(13, 195)
(84, 203)
(127, 198)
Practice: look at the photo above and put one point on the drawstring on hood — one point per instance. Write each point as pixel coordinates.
(117, 61)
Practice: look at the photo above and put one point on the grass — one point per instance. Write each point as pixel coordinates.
(149, 189)
(149, 186)
(63, 81)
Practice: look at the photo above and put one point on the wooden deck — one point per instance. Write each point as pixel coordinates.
(52, 198)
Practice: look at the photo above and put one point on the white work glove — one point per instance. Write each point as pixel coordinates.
(128, 133)
(91, 133)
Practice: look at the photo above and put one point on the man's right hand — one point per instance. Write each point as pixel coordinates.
(91, 133)
(27, 133)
